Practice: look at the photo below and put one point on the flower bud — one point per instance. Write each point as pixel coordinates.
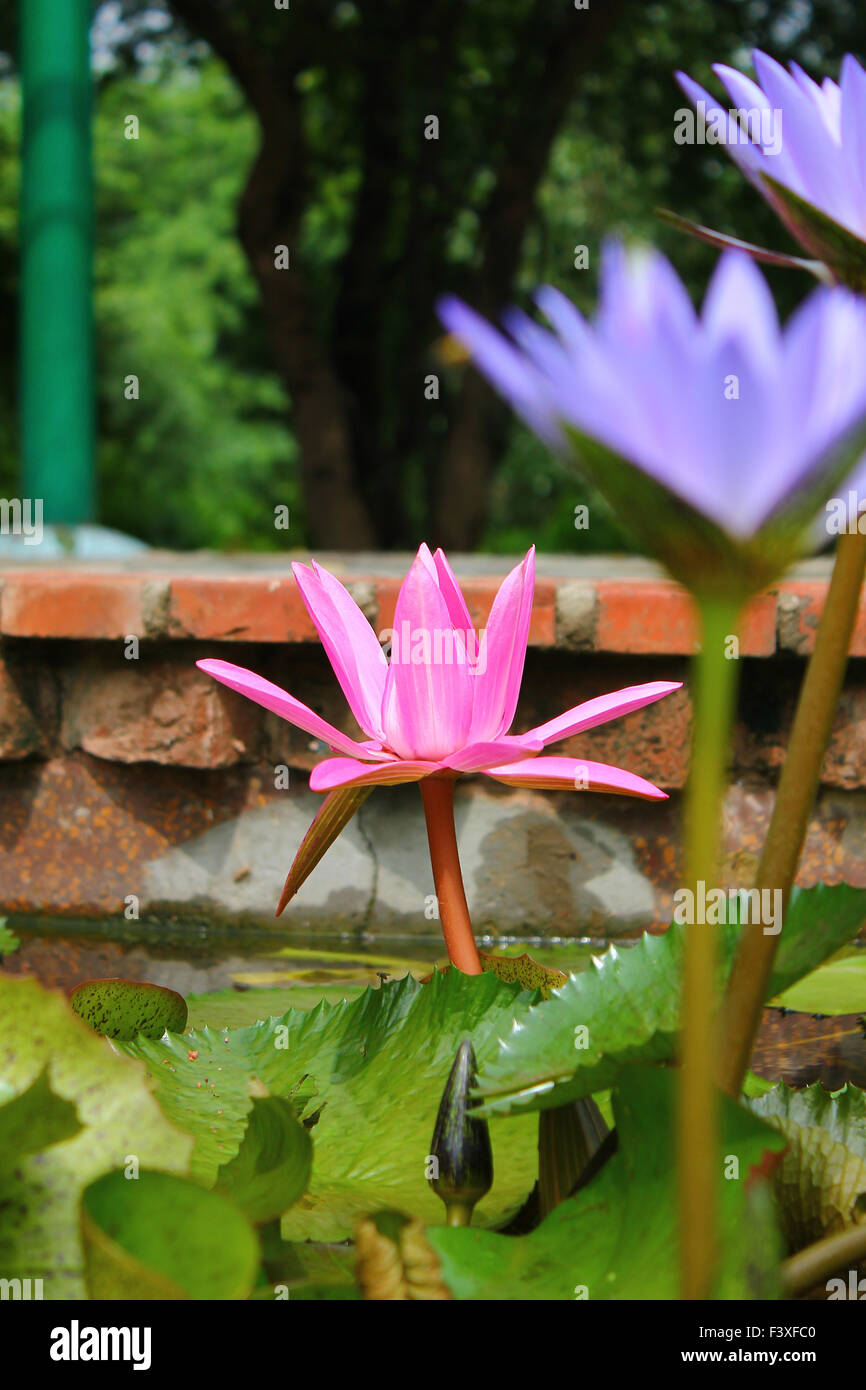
(463, 1168)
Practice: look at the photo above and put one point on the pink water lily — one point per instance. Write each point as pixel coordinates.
(440, 708)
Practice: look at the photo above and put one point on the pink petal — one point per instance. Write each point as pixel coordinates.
(427, 707)
(601, 709)
(423, 554)
(452, 594)
(499, 669)
(346, 772)
(574, 774)
(349, 641)
(476, 756)
(286, 706)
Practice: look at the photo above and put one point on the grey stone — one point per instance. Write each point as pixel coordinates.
(239, 868)
(530, 868)
(576, 608)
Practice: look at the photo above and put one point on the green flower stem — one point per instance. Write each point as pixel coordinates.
(459, 1213)
(437, 793)
(714, 700)
(749, 979)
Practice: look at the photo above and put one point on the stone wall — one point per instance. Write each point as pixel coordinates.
(128, 774)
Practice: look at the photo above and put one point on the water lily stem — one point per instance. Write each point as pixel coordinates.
(459, 1213)
(841, 1250)
(714, 698)
(819, 696)
(437, 794)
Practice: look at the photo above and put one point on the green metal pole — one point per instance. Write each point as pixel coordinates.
(56, 367)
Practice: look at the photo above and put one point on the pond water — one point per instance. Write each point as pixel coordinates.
(242, 961)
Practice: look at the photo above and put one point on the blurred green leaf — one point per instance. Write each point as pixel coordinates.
(118, 1117)
(159, 1236)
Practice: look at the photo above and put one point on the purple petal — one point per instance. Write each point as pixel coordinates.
(503, 366)
(738, 305)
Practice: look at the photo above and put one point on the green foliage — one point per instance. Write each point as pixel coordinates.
(627, 1006)
(821, 1181)
(34, 1120)
(231, 1008)
(204, 455)
(9, 942)
(305, 1124)
(372, 1072)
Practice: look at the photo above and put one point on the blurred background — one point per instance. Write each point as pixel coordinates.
(308, 127)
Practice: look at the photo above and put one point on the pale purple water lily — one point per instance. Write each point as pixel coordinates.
(748, 423)
(424, 717)
(803, 146)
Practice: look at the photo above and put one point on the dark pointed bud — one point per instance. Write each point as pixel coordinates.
(462, 1168)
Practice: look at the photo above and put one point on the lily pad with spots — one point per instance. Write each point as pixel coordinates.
(124, 1008)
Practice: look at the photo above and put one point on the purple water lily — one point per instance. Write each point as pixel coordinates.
(748, 424)
(803, 146)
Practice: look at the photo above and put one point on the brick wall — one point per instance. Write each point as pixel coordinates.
(135, 775)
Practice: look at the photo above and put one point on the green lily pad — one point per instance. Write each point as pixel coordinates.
(839, 987)
(524, 971)
(617, 1238)
(118, 1118)
(821, 1181)
(123, 1008)
(159, 1236)
(627, 1006)
(271, 1169)
(373, 1071)
(305, 1270)
(231, 1008)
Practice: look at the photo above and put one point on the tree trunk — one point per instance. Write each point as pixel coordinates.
(271, 210)
(560, 45)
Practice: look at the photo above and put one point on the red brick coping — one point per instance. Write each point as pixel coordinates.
(603, 604)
